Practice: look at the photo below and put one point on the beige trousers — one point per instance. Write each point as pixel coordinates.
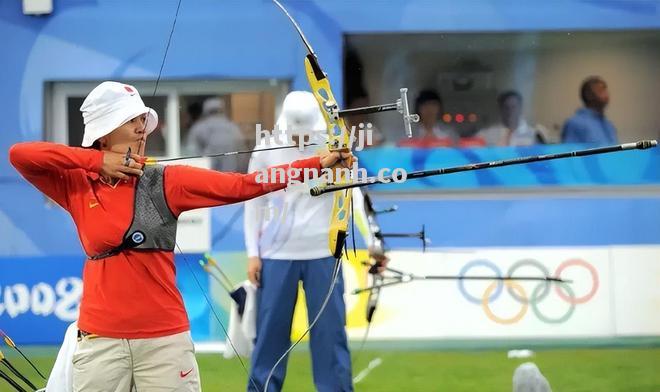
(125, 365)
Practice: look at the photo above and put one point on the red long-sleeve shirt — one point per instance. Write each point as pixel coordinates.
(132, 294)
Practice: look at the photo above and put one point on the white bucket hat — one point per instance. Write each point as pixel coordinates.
(109, 106)
(300, 112)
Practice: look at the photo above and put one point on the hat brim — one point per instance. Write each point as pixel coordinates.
(103, 128)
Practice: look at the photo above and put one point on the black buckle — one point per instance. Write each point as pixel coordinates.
(130, 241)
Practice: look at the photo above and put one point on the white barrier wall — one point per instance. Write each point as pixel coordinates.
(636, 293)
(615, 291)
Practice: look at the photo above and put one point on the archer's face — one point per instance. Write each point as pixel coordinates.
(131, 134)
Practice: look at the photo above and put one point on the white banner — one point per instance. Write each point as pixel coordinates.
(611, 291)
(636, 294)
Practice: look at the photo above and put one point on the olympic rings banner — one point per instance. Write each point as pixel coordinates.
(608, 292)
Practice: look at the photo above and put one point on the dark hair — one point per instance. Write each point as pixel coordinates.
(508, 94)
(426, 96)
(586, 90)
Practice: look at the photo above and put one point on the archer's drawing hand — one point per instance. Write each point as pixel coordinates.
(115, 165)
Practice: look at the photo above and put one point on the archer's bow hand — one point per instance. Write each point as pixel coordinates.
(337, 159)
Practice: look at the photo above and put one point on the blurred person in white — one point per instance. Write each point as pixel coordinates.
(513, 129)
(214, 133)
(286, 237)
(430, 133)
(528, 378)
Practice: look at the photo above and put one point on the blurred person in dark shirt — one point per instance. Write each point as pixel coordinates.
(214, 133)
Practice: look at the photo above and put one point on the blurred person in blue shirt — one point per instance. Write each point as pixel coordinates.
(589, 124)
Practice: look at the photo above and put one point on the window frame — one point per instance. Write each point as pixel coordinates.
(58, 92)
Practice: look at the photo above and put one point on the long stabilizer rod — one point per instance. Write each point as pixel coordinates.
(641, 145)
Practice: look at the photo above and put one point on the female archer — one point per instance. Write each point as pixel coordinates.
(133, 331)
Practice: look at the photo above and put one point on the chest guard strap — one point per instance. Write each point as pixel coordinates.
(153, 226)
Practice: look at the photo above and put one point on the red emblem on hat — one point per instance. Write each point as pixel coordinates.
(130, 90)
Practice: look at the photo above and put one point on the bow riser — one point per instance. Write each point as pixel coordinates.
(338, 140)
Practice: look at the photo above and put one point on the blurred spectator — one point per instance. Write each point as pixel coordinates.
(429, 107)
(589, 124)
(512, 130)
(355, 121)
(214, 133)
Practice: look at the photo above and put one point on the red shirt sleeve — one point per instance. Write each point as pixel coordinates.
(188, 188)
(45, 165)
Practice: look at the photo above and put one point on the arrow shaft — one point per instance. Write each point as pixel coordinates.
(226, 154)
(225, 277)
(9, 342)
(30, 362)
(11, 382)
(18, 374)
(406, 278)
(217, 279)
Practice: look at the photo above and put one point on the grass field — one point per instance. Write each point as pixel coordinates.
(630, 370)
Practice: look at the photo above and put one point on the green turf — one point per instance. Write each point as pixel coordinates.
(619, 369)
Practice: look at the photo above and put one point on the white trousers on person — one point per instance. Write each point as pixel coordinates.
(123, 365)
